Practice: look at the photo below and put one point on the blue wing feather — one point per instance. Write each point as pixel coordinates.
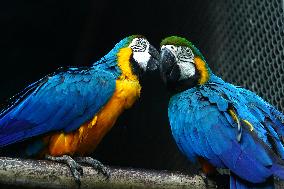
(62, 102)
(201, 123)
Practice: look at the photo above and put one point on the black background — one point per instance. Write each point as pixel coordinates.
(40, 36)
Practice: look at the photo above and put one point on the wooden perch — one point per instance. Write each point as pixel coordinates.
(46, 174)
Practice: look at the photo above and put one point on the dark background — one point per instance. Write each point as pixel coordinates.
(243, 42)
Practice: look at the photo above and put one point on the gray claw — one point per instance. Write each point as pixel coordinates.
(75, 168)
(97, 165)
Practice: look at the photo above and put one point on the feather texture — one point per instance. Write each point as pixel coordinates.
(69, 111)
(203, 126)
(61, 102)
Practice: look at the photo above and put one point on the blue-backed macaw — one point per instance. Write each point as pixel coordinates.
(68, 112)
(218, 124)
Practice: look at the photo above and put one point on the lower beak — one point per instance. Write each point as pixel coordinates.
(167, 62)
(154, 61)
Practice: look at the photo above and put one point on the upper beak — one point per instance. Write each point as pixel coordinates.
(167, 62)
(154, 61)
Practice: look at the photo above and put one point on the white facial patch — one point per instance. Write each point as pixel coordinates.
(140, 48)
(184, 58)
(186, 70)
(142, 58)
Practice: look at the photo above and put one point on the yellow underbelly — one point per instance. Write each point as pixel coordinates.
(85, 139)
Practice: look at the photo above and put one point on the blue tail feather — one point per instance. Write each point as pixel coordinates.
(278, 171)
(237, 183)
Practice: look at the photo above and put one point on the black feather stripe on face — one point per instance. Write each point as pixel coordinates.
(135, 67)
(177, 86)
(172, 74)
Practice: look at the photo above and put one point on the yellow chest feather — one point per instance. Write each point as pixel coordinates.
(87, 137)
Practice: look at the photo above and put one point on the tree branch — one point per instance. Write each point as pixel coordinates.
(46, 174)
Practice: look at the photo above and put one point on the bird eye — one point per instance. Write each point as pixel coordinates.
(189, 52)
(140, 45)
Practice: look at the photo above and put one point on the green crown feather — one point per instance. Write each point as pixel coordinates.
(176, 41)
(180, 41)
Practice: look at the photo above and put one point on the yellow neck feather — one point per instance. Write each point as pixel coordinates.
(123, 58)
(201, 67)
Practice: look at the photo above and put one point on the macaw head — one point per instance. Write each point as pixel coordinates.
(182, 65)
(144, 57)
(131, 57)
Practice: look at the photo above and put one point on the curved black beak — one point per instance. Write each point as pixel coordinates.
(167, 66)
(154, 61)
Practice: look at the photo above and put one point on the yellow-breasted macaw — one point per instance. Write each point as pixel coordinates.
(67, 113)
(218, 124)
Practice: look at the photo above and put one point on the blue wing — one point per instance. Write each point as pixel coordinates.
(203, 127)
(62, 102)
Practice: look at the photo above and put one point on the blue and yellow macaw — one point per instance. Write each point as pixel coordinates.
(218, 124)
(68, 112)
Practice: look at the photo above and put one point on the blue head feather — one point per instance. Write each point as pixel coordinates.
(109, 61)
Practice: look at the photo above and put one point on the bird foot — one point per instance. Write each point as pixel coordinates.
(75, 168)
(97, 165)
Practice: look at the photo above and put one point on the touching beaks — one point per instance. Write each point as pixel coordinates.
(154, 60)
(167, 63)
